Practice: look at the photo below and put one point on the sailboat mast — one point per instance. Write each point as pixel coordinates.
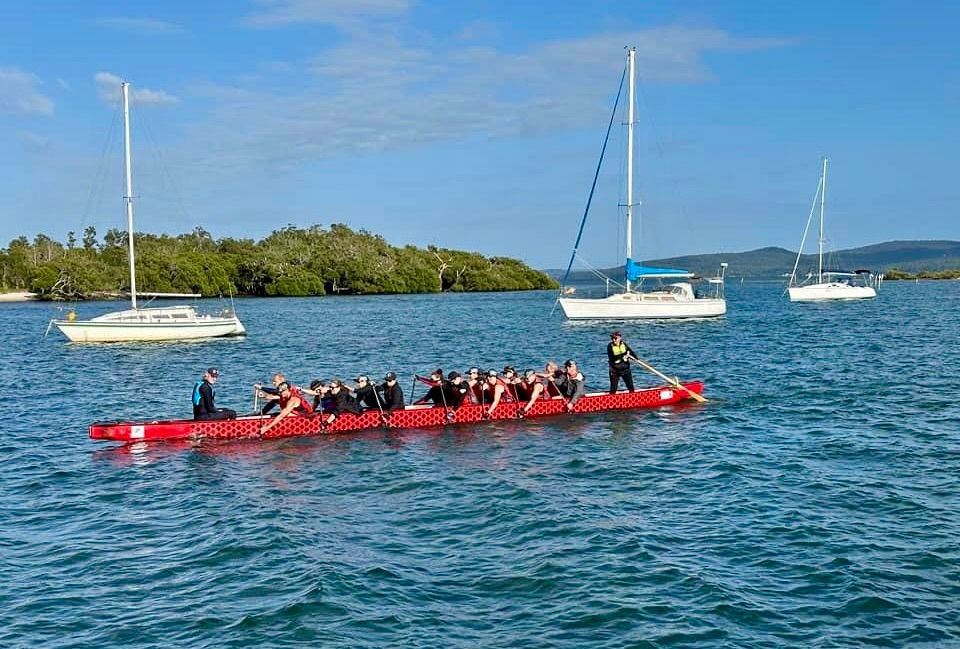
(823, 200)
(128, 194)
(631, 64)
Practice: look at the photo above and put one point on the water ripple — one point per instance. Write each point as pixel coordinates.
(813, 502)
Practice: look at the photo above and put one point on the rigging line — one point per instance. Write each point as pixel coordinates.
(100, 173)
(813, 206)
(583, 221)
(597, 272)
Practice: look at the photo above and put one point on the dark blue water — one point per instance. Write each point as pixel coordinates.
(812, 503)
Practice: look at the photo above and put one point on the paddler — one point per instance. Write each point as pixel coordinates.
(367, 394)
(391, 394)
(572, 385)
(474, 385)
(496, 390)
(529, 389)
(204, 408)
(553, 377)
(455, 390)
(436, 394)
(618, 362)
(269, 394)
(290, 401)
(343, 401)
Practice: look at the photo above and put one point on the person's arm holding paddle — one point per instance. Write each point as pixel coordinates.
(675, 382)
(497, 389)
(289, 402)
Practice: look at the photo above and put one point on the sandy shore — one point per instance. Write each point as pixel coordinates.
(21, 296)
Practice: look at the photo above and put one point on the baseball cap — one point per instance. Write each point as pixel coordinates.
(615, 334)
(212, 371)
(570, 363)
(316, 383)
(283, 386)
(437, 372)
(390, 376)
(491, 372)
(507, 368)
(453, 375)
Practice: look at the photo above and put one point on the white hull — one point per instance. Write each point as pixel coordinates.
(830, 291)
(626, 306)
(159, 324)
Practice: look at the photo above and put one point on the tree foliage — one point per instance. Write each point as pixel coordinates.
(290, 261)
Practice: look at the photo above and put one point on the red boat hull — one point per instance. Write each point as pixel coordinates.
(410, 417)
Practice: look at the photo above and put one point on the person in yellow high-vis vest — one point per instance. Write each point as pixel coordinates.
(618, 359)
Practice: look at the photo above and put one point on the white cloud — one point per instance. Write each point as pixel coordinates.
(141, 25)
(33, 142)
(19, 94)
(108, 89)
(341, 13)
(375, 92)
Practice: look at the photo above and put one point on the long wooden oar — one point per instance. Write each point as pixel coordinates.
(671, 380)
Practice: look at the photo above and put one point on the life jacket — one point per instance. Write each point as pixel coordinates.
(525, 388)
(507, 395)
(304, 408)
(551, 387)
(619, 353)
(196, 392)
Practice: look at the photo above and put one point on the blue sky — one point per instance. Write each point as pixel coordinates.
(477, 125)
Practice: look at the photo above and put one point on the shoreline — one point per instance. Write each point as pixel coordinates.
(18, 296)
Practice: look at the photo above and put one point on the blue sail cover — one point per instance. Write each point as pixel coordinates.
(635, 271)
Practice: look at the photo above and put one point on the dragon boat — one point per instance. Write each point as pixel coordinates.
(413, 416)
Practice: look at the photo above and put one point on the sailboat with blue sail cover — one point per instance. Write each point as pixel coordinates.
(673, 296)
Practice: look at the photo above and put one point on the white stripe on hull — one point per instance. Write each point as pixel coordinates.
(107, 332)
(831, 291)
(628, 307)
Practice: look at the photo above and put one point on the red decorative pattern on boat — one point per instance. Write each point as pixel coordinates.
(410, 417)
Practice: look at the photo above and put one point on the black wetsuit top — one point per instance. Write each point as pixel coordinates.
(392, 397)
(203, 400)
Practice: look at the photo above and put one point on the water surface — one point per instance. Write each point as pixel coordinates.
(812, 502)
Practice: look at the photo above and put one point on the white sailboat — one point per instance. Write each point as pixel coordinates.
(830, 284)
(146, 324)
(676, 299)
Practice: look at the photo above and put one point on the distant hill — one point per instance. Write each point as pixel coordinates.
(772, 263)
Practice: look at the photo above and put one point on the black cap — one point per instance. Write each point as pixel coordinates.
(453, 375)
(390, 376)
(615, 334)
(437, 372)
(570, 362)
(214, 372)
(283, 386)
(507, 368)
(316, 383)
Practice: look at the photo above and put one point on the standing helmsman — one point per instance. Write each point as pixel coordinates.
(618, 360)
(204, 407)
